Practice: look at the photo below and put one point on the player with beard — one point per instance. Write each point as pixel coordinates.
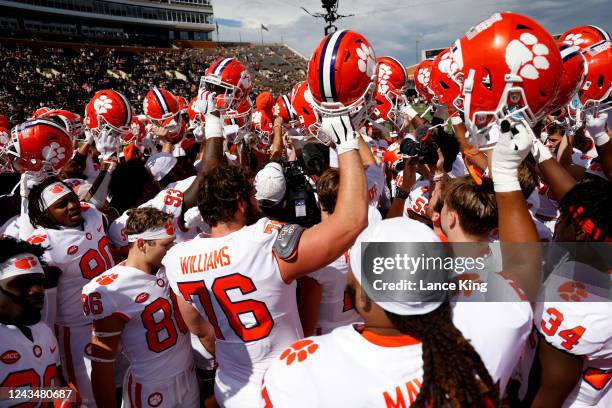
(242, 278)
(28, 350)
(74, 235)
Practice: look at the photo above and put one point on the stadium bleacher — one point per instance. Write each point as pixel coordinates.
(37, 73)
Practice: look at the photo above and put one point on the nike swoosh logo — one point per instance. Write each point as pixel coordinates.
(53, 349)
(99, 228)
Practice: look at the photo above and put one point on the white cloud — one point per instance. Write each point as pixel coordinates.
(393, 26)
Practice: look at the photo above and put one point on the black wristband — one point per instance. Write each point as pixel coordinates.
(401, 194)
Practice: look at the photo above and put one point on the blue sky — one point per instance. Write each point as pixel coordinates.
(394, 26)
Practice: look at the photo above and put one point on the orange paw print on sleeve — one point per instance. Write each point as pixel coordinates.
(37, 239)
(299, 351)
(474, 277)
(573, 291)
(107, 279)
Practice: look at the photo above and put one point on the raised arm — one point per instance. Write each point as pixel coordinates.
(213, 153)
(521, 264)
(340, 229)
(596, 127)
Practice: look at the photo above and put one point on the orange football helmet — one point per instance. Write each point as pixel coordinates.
(517, 76)
(108, 111)
(597, 84)
(584, 37)
(572, 75)
(342, 76)
(37, 145)
(422, 78)
(72, 122)
(229, 79)
(283, 108)
(301, 100)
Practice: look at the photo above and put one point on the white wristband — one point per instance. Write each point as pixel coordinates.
(601, 138)
(409, 110)
(213, 127)
(456, 120)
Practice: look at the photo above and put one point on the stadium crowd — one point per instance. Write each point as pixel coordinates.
(215, 251)
(68, 77)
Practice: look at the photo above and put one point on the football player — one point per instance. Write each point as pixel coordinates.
(74, 235)
(131, 304)
(28, 350)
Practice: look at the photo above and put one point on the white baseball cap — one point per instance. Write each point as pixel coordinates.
(160, 164)
(400, 229)
(270, 184)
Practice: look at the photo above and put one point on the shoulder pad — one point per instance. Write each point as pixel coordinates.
(287, 240)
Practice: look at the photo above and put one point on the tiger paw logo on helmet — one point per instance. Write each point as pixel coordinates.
(573, 291)
(299, 351)
(447, 64)
(54, 153)
(384, 74)
(424, 75)
(527, 55)
(574, 39)
(256, 118)
(367, 61)
(103, 104)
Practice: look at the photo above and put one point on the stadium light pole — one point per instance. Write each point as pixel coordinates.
(416, 42)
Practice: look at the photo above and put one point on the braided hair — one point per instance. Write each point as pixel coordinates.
(453, 372)
(588, 206)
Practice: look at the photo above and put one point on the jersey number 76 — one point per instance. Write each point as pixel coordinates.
(232, 310)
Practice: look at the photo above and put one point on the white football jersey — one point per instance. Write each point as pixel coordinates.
(26, 363)
(378, 147)
(335, 309)
(235, 283)
(169, 201)
(155, 338)
(576, 317)
(418, 200)
(499, 342)
(182, 185)
(375, 176)
(81, 254)
(549, 206)
(10, 227)
(345, 369)
(581, 159)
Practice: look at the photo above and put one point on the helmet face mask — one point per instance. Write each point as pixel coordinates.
(229, 80)
(517, 79)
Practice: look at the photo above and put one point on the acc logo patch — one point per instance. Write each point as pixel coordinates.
(37, 351)
(161, 283)
(155, 399)
(72, 250)
(141, 297)
(10, 357)
(88, 236)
